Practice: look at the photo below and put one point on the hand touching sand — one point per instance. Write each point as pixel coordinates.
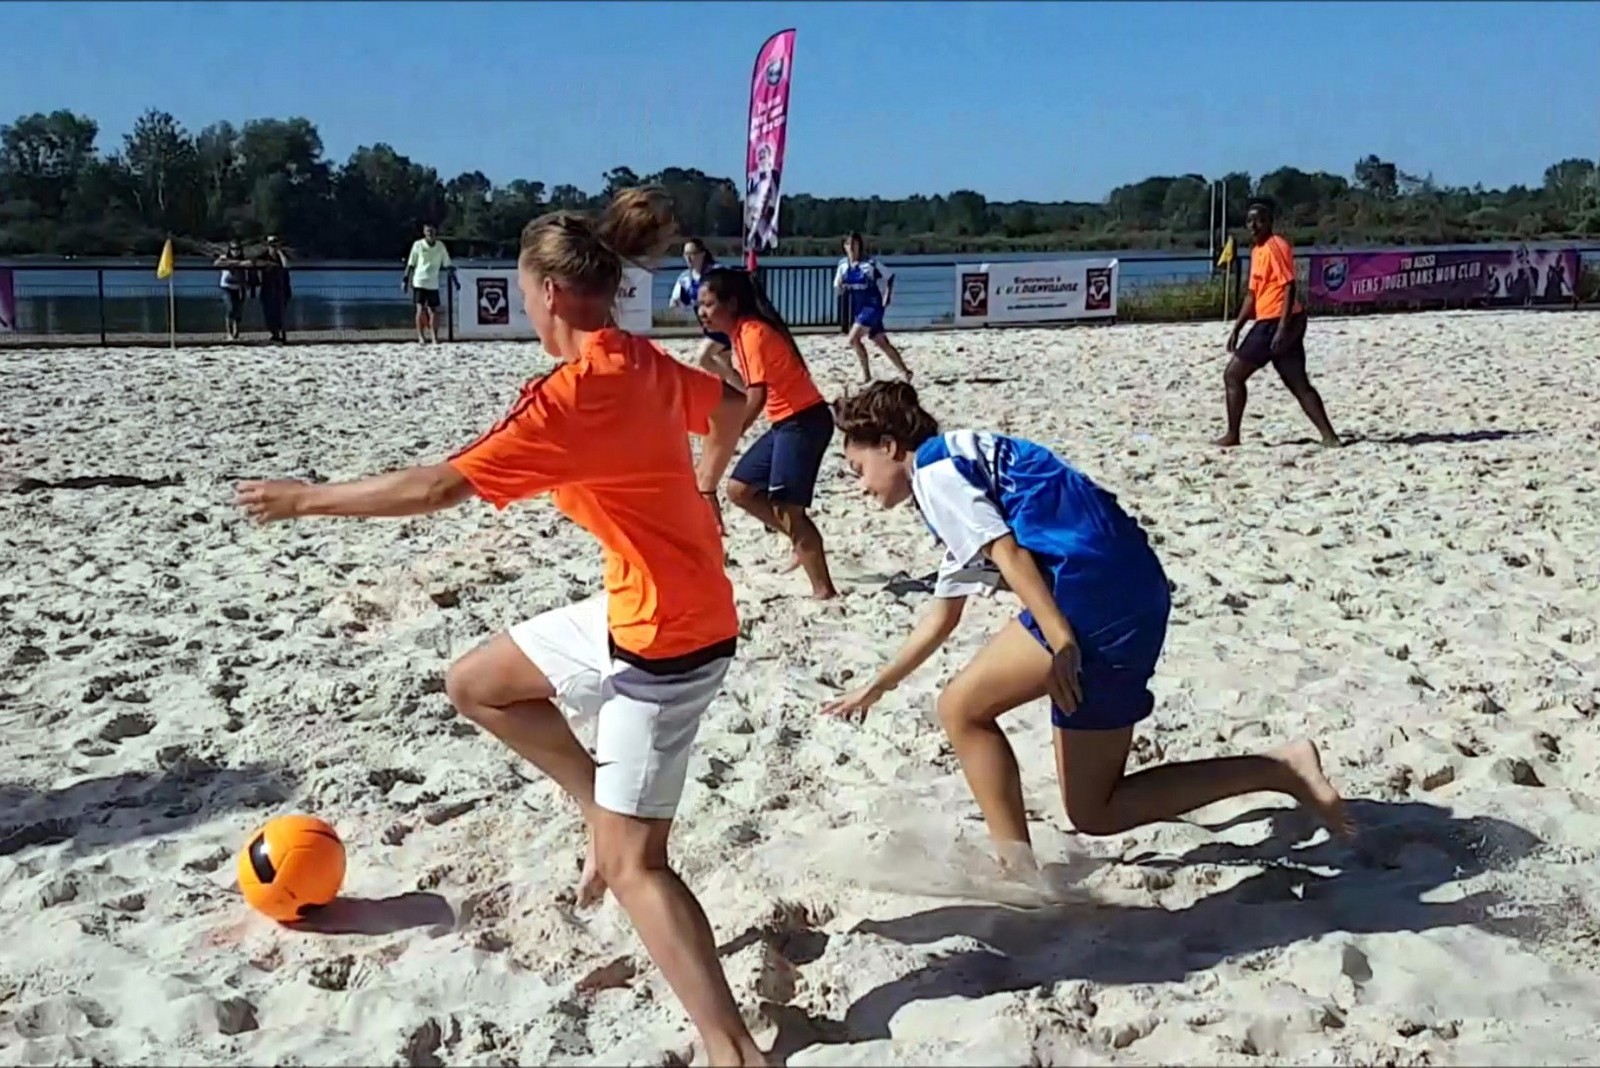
(853, 706)
(270, 502)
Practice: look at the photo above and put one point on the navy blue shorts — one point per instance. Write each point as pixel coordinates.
(872, 319)
(1255, 348)
(1118, 663)
(721, 339)
(783, 463)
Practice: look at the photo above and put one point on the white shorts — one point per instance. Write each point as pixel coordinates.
(646, 723)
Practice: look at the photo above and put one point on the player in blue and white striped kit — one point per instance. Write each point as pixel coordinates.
(869, 286)
(716, 351)
(1013, 515)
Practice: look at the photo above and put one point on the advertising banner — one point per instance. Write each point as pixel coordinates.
(489, 304)
(769, 126)
(1515, 277)
(1056, 291)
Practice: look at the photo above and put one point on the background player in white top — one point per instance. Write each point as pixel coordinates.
(425, 268)
(869, 285)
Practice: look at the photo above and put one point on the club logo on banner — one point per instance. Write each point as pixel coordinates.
(1057, 291)
(494, 302)
(1097, 289)
(975, 295)
(1335, 269)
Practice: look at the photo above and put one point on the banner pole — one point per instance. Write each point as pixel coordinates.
(172, 314)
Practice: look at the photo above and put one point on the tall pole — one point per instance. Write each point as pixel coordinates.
(1211, 224)
(1222, 233)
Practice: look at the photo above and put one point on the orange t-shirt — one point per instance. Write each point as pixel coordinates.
(608, 433)
(1271, 273)
(765, 358)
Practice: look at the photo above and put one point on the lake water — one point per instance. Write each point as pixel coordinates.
(72, 297)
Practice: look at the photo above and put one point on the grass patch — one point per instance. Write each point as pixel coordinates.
(1188, 300)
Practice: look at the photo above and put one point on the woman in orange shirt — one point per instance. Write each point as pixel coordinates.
(777, 476)
(606, 434)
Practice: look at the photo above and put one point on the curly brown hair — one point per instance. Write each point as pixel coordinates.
(885, 411)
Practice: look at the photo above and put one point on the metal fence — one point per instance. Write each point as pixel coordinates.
(90, 303)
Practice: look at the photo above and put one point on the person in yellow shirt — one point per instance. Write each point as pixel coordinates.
(1278, 336)
(425, 269)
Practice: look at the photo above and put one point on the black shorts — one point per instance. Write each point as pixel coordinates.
(1256, 348)
(424, 298)
(783, 463)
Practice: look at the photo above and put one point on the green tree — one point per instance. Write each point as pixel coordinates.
(59, 195)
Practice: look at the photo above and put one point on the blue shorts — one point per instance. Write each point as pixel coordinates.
(783, 463)
(872, 319)
(1119, 660)
(720, 339)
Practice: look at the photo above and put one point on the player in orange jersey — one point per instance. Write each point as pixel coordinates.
(1279, 334)
(777, 476)
(606, 434)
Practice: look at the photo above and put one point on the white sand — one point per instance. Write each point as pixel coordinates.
(1424, 603)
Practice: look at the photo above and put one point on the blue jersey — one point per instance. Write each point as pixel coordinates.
(863, 282)
(686, 290)
(973, 487)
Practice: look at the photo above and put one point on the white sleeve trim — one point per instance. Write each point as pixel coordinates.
(962, 516)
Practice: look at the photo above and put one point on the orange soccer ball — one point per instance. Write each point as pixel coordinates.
(293, 865)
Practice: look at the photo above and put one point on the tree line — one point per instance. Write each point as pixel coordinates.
(63, 193)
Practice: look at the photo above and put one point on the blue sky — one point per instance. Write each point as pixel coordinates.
(1038, 100)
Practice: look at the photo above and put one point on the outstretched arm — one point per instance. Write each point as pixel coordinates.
(412, 491)
(931, 632)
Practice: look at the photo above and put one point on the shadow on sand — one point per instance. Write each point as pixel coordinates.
(1463, 437)
(379, 915)
(109, 811)
(1405, 850)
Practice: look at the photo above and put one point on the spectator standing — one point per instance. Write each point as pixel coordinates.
(238, 282)
(425, 269)
(276, 288)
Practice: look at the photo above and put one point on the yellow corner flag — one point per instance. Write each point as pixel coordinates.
(164, 265)
(1227, 253)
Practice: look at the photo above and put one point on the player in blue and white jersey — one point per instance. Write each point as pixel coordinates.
(716, 351)
(869, 287)
(1013, 515)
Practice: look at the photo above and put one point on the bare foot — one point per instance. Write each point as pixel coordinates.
(1332, 443)
(740, 1053)
(826, 594)
(1227, 441)
(789, 564)
(591, 884)
(1016, 860)
(1312, 788)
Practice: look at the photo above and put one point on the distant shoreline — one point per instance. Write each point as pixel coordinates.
(792, 256)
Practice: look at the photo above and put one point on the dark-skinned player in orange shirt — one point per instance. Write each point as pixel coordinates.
(1278, 335)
